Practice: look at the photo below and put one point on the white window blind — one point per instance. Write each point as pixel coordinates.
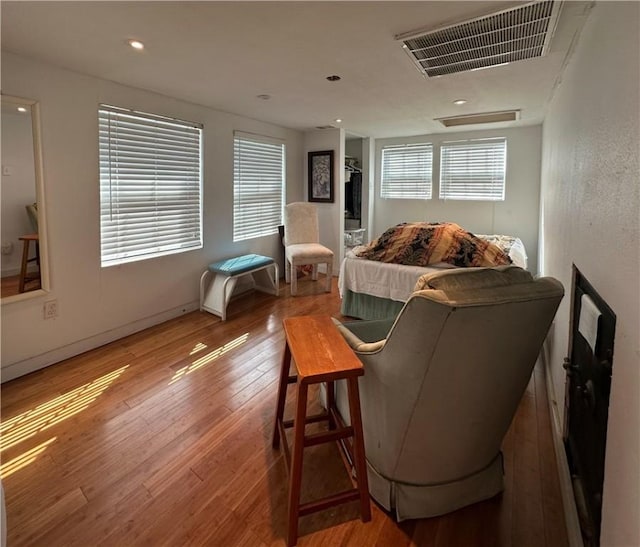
(258, 185)
(150, 185)
(406, 171)
(473, 170)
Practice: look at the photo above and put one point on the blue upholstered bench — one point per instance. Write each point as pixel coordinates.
(215, 295)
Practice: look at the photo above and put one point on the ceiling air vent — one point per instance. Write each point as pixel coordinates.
(485, 117)
(504, 37)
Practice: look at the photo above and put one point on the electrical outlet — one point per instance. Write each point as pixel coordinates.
(51, 309)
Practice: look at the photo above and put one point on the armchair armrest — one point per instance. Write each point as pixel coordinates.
(365, 336)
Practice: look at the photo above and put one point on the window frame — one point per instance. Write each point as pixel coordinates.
(257, 221)
(477, 181)
(155, 165)
(393, 189)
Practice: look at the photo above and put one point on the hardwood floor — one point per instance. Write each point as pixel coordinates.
(9, 286)
(163, 438)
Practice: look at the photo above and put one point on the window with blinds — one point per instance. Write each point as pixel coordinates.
(258, 185)
(406, 171)
(150, 185)
(473, 170)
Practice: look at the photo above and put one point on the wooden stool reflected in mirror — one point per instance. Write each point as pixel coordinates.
(25, 276)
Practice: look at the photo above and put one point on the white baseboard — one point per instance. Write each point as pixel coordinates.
(20, 368)
(564, 476)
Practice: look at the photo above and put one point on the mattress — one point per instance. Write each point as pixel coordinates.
(396, 281)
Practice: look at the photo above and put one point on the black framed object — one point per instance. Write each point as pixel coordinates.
(320, 176)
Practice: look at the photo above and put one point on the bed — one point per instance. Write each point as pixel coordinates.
(377, 290)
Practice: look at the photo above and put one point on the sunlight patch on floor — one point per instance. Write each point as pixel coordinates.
(209, 357)
(198, 348)
(46, 415)
(10, 467)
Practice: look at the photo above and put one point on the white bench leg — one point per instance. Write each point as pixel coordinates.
(215, 298)
(266, 279)
(218, 295)
(203, 286)
(227, 290)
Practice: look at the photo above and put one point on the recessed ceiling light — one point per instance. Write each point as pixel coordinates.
(334, 78)
(135, 44)
(338, 120)
(460, 101)
(22, 109)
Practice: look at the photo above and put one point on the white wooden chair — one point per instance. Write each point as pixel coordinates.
(301, 241)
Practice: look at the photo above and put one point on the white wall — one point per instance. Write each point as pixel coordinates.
(517, 215)
(591, 217)
(18, 187)
(95, 304)
(330, 215)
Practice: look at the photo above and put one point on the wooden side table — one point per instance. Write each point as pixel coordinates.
(320, 354)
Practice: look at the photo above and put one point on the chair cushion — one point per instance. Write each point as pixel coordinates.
(240, 264)
(308, 250)
(473, 278)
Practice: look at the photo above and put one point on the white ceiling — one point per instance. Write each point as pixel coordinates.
(223, 54)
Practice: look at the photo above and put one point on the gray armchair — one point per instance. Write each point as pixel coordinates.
(442, 383)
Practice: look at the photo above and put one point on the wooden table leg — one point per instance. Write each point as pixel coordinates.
(295, 481)
(358, 448)
(25, 262)
(331, 403)
(282, 394)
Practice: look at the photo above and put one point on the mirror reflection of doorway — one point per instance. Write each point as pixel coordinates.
(20, 260)
(353, 182)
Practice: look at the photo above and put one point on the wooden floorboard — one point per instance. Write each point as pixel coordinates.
(10, 286)
(163, 438)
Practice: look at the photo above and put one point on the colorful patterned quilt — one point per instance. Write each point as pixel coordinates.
(425, 243)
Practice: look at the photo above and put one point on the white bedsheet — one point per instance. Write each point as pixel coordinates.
(391, 281)
(396, 281)
(517, 252)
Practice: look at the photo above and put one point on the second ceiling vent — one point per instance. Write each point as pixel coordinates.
(504, 37)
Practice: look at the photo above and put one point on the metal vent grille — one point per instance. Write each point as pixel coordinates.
(504, 37)
(484, 117)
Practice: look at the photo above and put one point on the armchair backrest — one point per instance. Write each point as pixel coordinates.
(300, 223)
(440, 395)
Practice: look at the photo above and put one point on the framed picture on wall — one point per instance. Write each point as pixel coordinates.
(320, 176)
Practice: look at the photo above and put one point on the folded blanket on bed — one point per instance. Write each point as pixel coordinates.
(424, 243)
